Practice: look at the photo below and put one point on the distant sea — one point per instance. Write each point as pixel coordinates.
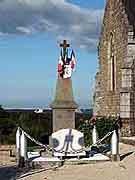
(35, 104)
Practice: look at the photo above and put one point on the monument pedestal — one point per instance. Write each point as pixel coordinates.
(63, 105)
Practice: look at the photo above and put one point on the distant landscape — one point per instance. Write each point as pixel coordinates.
(38, 125)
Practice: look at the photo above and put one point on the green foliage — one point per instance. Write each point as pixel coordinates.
(7, 127)
(103, 126)
(37, 125)
(86, 127)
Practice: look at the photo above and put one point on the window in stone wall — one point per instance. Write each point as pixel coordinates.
(125, 105)
(130, 36)
(111, 65)
(126, 78)
(134, 34)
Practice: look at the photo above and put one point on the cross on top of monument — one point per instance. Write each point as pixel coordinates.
(67, 60)
(64, 45)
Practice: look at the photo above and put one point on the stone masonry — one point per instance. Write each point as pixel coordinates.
(115, 80)
(63, 105)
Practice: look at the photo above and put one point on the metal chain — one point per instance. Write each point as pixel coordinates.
(47, 147)
(100, 140)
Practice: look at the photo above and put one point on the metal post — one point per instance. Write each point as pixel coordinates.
(115, 147)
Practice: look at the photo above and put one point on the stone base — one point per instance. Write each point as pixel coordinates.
(115, 157)
(63, 119)
(63, 105)
(44, 162)
(21, 163)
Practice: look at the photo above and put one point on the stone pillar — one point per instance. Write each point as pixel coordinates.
(63, 105)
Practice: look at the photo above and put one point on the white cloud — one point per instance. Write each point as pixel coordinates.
(25, 30)
(58, 17)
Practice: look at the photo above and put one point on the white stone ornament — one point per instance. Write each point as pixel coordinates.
(114, 143)
(94, 135)
(68, 142)
(18, 134)
(23, 147)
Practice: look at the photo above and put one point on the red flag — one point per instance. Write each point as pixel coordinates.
(73, 60)
(60, 65)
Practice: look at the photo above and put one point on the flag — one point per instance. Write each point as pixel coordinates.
(60, 64)
(66, 64)
(73, 60)
(67, 71)
(66, 57)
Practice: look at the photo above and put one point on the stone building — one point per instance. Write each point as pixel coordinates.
(115, 80)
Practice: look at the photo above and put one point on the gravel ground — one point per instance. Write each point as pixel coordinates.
(123, 170)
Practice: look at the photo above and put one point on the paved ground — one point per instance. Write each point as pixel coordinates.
(7, 173)
(123, 170)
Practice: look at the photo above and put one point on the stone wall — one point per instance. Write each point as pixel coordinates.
(116, 25)
(127, 105)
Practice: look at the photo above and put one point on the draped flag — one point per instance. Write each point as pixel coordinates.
(66, 65)
(73, 60)
(67, 71)
(60, 64)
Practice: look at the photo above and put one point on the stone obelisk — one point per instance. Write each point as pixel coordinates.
(64, 105)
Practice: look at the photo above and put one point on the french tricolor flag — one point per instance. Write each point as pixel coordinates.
(73, 60)
(60, 64)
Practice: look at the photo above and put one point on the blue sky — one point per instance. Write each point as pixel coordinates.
(30, 33)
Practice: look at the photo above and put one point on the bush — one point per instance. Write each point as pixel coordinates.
(86, 128)
(103, 126)
(37, 125)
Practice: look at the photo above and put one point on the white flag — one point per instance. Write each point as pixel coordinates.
(67, 71)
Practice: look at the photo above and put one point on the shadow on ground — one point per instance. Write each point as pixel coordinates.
(8, 172)
(30, 173)
(125, 155)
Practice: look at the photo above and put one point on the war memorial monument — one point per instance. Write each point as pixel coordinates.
(64, 105)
